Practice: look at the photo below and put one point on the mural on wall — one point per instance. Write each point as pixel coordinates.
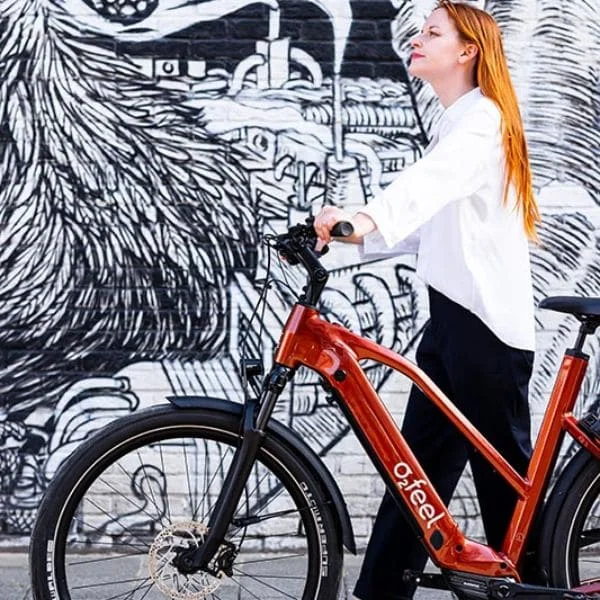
(140, 168)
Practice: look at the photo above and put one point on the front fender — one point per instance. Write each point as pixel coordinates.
(294, 443)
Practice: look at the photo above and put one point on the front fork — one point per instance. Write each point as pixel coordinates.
(255, 419)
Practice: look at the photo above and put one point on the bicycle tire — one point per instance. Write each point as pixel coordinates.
(131, 464)
(573, 552)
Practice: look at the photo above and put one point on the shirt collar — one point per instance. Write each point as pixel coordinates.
(461, 105)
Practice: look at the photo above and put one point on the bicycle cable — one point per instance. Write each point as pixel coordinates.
(260, 303)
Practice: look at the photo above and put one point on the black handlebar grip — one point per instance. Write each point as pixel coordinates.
(342, 229)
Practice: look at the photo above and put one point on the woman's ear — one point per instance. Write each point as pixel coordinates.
(469, 52)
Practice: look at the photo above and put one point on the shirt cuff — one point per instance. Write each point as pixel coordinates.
(374, 246)
(376, 210)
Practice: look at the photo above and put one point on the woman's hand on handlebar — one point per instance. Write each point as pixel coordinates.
(329, 216)
(326, 220)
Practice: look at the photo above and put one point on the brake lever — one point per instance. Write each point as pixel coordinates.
(324, 250)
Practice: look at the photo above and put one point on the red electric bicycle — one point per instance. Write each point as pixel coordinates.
(190, 499)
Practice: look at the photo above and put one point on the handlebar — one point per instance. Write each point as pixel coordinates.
(342, 229)
(297, 246)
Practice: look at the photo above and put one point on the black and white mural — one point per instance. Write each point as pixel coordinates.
(146, 146)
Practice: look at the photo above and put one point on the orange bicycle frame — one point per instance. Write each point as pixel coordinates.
(334, 352)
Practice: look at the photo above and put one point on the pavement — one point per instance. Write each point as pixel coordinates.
(14, 579)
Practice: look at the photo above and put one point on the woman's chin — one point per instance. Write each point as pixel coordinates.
(416, 71)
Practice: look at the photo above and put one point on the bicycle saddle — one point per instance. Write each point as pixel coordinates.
(575, 305)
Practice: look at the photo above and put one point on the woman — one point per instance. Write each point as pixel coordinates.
(469, 204)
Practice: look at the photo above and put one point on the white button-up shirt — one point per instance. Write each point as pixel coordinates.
(448, 207)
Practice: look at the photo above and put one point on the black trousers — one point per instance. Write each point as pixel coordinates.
(488, 381)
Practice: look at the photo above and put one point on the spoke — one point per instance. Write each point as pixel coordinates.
(257, 486)
(266, 504)
(265, 500)
(268, 559)
(158, 509)
(122, 594)
(245, 588)
(162, 464)
(267, 585)
(589, 537)
(94, 585)
(254, 519)
(103, 532)
(206, 483)
(189, 483)
(217, 470)
(263, 504)
(112, 518)
(116, 491)
(292, 577)
(111, 544)
(138, 587)
(148, 588)
(105, 558)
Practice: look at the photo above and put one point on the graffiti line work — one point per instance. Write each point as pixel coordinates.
(145, 149)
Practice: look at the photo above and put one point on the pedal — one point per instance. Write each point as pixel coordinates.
(591, 425)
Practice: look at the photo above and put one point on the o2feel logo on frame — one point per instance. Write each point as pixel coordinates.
(416, 492)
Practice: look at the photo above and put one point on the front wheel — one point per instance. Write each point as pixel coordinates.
(574, 510)
(123, 506)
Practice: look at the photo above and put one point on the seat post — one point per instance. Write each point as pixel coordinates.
(588, 327)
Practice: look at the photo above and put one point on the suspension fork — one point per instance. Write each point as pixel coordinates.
(255, 419)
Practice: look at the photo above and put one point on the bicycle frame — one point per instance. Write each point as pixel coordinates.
(334, 352)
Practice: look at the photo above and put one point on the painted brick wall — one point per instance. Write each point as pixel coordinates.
(146, 149)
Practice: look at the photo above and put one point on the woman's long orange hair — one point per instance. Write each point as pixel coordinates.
(492, 76)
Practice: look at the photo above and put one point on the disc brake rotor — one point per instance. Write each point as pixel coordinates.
(167, 578)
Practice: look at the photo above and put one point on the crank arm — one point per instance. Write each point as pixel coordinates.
(479, 587)
(521, 591)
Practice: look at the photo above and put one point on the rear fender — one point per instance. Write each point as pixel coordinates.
(554, 502)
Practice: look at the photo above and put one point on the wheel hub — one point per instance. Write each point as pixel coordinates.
(163, 556)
